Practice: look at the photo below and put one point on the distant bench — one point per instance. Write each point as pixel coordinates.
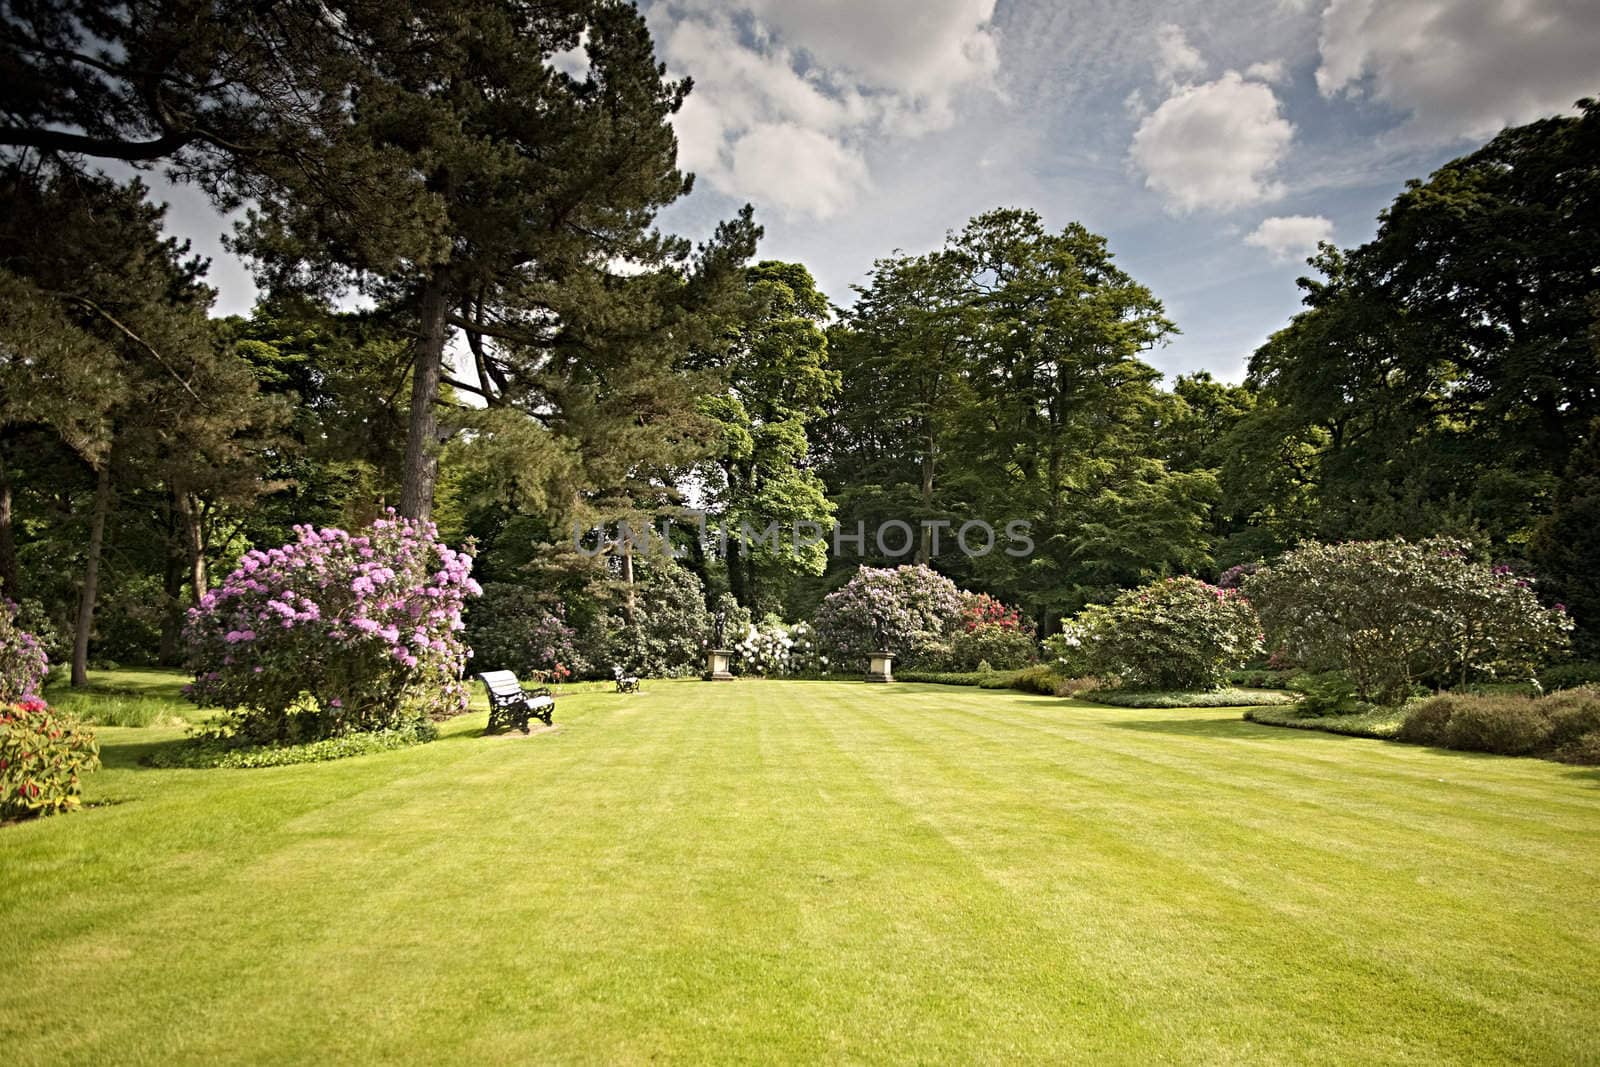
(510, 705)
(626, 683)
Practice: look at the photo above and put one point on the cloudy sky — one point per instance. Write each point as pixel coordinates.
(1213, 143)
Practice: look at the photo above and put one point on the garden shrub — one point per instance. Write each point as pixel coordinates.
(774, 648)
(667, 634)
(43, 756)
(517, 628)
(981, 609)
(1174, 634)
(23, 663)
(1392, 613)
(1002, 647)
(1570, 675)
(335, 633)
(1040, 678)
(1327, 693)
(1380, 723)
(1564, 725)
(917, 605)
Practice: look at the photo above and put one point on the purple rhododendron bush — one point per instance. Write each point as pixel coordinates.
(916, 606)
(335, 633)
(23, 662)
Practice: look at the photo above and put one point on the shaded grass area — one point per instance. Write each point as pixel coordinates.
(1380, 723)
(801, 871)
(129, 697)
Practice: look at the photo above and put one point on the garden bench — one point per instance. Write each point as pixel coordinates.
(626, 683)
(511, 705)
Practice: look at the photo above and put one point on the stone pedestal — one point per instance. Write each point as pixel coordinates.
(879, 667)
(717, 665)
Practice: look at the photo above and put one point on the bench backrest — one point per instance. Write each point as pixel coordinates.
(501, 683)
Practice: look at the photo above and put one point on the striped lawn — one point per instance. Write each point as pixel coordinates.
(796, 871)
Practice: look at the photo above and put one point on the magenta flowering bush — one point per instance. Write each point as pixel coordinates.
(917, 606)
(335, 633)
(23, 663)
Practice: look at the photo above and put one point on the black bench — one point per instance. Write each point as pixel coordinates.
(626, 683)
(510, 705)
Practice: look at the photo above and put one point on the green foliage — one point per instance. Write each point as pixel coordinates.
(1327, 693)
(1266, 678)
(516, 627)
(1562, 726)
(1174, 634)
(43, 755)
(666, 636)
(1391, 613)
(210, 750)
(1205, 698)
(1002, 647)
(1040, 678)
(1570, 675)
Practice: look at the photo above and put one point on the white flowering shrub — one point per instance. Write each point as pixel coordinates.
(773, 648)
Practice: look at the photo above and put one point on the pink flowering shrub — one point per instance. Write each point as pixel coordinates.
(335, 633)
(22, 658)
(43, 755)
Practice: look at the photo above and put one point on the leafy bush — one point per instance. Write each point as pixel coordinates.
(1174, 634)
(970, 678)
(1570, 675)
(1265, 678)
(335, 633)
(23, 663)
(515, 627)
(916, 605)
(204, 752)
(1327, 693)
(981, 609)
(1392, 613)
(1565, 725)
(42, 758)
(1002, 647)
(1211, 698)
(670, 625)
(775, 648)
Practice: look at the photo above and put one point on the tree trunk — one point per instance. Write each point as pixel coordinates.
(10, 578)
(91, 574)
(925, 548)
(172, 620)
(194, 544)
(627, 576)
(422, 434)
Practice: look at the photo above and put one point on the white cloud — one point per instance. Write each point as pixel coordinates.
(1175, 56)
(1289, 236)
(1461, 68)
(797, 170)
(1270, 71)
(794, 96)
(1213, 145)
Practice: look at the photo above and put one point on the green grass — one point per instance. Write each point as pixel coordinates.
(768, 871)
(129, 697)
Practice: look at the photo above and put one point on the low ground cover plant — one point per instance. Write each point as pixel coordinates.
(1380, 723)
(205, 752)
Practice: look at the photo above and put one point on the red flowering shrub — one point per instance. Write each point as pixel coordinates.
(981, 609)
(42, 755)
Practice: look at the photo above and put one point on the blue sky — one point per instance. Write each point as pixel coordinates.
(1213, 143)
